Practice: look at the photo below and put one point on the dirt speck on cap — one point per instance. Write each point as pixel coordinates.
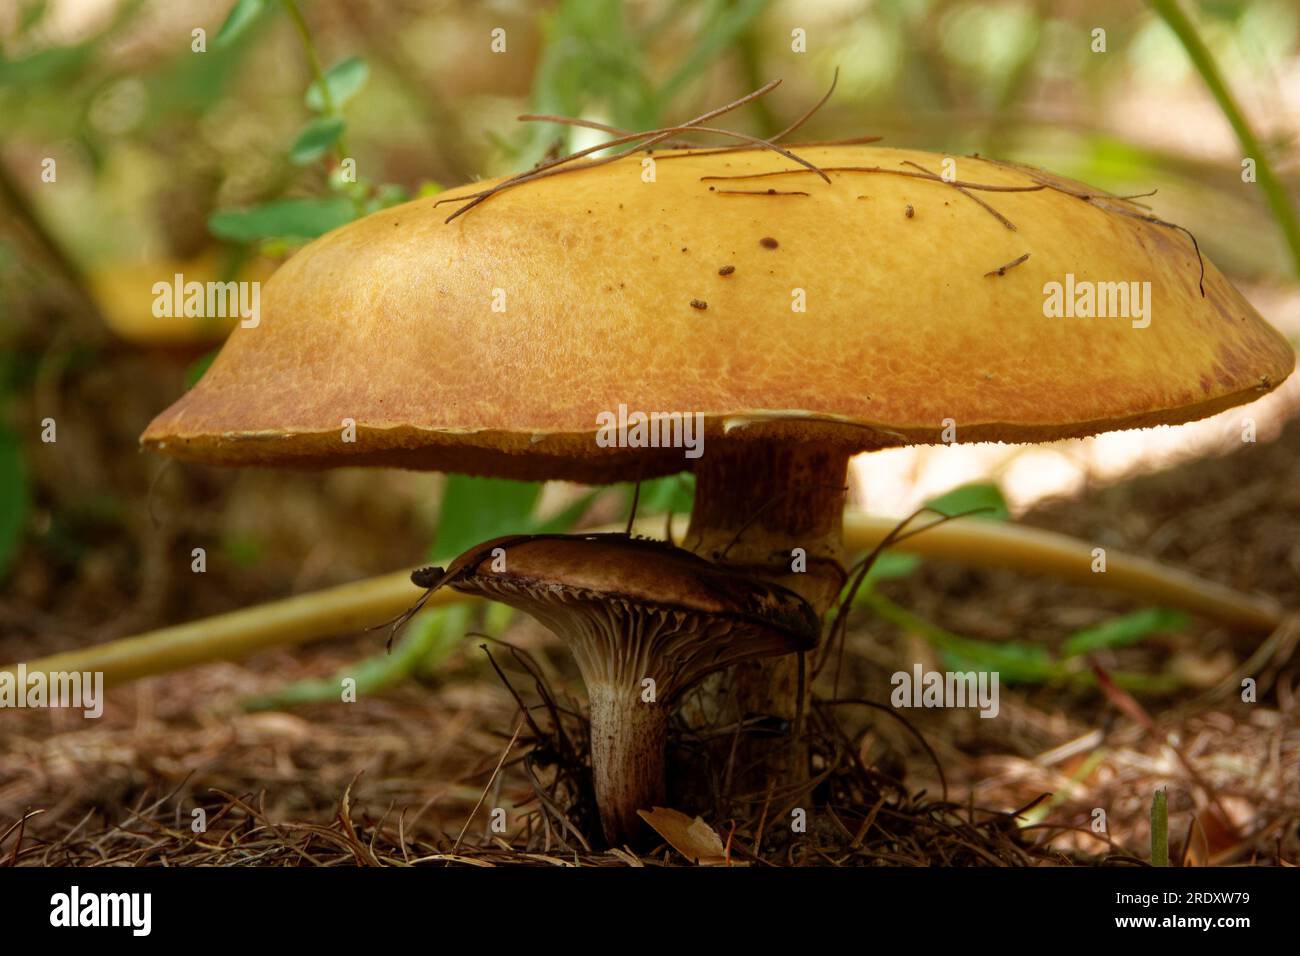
(699, 304)
(909, 212)
(767, 242)
(726, 270)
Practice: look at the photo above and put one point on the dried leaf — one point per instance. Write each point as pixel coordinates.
(1196, 848)
(692, 838)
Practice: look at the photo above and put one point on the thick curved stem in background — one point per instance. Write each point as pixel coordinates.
(755, 503)
(350, 607)
(627, 760)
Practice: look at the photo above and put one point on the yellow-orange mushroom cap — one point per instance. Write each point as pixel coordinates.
(490, 344)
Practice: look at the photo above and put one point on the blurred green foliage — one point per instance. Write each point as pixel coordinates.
(977, 500)
(164, 151)
(1015, 661)
(14, 498)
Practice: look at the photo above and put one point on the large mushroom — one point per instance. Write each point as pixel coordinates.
(645, 621)
(912, 298)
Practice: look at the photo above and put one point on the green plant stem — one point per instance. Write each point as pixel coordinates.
(318, 75)
(1159, 829)
(428, 643)
(1274, 192)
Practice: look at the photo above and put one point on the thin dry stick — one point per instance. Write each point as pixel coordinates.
(1279, 646)
(551, 170)
(769, 143)
(802, 144)
(488, 786)
(803, 118)
(573, 121)
(1133, 196)
(858, 575)
(631, 137)
(1106, 206)
(592, 164)
(758, 192)
(928, 177)
(1105, 203)
(614, 130)
(846, 141)
(524, 710)
(1002, 270)
(651, 138)
(993, 212)
(548, 804)
(1128, 705)
(631, 515)
(808, 113)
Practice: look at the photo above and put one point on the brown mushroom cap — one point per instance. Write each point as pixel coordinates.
(631, 608)
(389, 321)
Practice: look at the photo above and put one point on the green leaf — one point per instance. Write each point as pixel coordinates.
(198, 368)
(45, 67)
(675, 493)
(1014, 662)
(971, 497)
(1124, 631)
(32, 14)
(566, 519)
(243, 550)
(477, 509)
(890, 566)
(15, 499)
(316, 139)
(717, 36)
(284, 218)
(386, 195)
(427, 644)
(343, 80)
(241, 16)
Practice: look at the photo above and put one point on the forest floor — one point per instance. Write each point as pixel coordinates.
(412, 774)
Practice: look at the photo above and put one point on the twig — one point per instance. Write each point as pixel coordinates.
(488, 786)
(1002, 270)
(993, 212)
(929, 177)
(757, 192)
(650, 138)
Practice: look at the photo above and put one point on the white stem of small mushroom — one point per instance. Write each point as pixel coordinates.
(627, 758)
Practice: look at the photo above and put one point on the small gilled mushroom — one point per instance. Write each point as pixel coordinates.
(644, 621)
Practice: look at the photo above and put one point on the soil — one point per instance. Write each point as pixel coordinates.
(412, 774)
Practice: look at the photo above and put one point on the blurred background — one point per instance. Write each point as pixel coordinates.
(141, 138)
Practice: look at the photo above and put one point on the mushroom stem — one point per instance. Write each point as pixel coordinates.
(627, 759)
(756, 502)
